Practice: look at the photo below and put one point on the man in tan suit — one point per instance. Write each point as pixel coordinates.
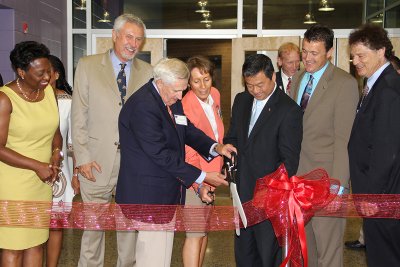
(328, 97)
(103, 83)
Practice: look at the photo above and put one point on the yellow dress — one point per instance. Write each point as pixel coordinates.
(31, 131)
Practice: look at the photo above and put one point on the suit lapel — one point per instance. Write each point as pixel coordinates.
(296, 85)
(203, 117)
(248, 105)
(108, 74)
(320, 90)
(132, 84)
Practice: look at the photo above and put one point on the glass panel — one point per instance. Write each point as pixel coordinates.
(168, 14)
(389, 2)
(104, 12)
(79, 14)
(290, 14)
(79, 48)
(392, 18)
(374, 6)
(249, 14)
(145, 56)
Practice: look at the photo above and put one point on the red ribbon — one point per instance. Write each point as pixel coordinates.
(290, 203)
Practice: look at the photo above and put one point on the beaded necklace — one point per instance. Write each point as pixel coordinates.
(25, 95)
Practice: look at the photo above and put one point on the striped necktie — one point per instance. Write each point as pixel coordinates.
(306, 94)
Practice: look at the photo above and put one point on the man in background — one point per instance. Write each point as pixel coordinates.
(288, 64)
(103, 83)
(328, 97)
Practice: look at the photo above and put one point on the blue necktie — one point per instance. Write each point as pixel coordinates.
(254, 115)
(121, 81)
(306, 94)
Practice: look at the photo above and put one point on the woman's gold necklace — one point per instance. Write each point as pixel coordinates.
(25, 95)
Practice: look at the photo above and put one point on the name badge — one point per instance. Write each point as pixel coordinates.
(180, 119)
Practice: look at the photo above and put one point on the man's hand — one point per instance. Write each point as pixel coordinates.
(206, 195)
(215, 179)
(86, 170)
(368, 209)
(225, 150)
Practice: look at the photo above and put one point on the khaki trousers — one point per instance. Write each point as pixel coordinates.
(93, 242)
(325, 241)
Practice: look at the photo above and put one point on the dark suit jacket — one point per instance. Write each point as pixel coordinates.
(275, 138)
(374, 146)
(153, 168)
(1, 81)
(279, 82)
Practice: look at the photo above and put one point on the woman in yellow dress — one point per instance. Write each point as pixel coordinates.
(30, 145)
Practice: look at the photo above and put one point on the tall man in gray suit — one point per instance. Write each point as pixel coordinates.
(103, 83)
(328, 97)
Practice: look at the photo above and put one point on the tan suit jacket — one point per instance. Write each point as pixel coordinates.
(96, 104)
(327, 123)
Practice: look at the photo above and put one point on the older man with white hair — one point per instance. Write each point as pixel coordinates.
(154, 131)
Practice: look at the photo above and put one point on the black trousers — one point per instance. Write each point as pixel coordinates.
(257, 246)
(382, 240)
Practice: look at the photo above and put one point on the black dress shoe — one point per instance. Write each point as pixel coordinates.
(354, 245)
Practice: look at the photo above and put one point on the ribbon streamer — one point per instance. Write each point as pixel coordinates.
(288, 203)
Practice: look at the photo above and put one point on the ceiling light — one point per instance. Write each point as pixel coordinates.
(206, 18)
(309, 17)
(106, 17)
(208, 25)
(202, 4)
(82, 6)
(324, 6)
(377, 19)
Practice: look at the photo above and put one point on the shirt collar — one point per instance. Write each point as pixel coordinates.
(371, 80)
(115, 61)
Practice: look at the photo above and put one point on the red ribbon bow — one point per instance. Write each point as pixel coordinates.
(290, 203)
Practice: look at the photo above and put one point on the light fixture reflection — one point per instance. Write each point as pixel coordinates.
(378, 19)
(82, 6)
(206, 18)
(202, 4)
(106, 17)
(324, 6)
(309, 17)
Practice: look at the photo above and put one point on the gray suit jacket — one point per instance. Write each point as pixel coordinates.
(327, 123)
(96, 104)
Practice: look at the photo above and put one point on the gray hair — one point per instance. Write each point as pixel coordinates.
(128, 18)
(169, 70)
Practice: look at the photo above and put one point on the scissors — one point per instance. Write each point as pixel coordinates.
(230, 169)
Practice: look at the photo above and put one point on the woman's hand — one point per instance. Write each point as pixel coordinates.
(45, 172)
(55, 163)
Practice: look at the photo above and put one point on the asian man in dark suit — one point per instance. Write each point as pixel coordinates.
(266, 128)
(374, 146)
(153, 133)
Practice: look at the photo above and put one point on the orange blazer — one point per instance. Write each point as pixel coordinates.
(197, 116)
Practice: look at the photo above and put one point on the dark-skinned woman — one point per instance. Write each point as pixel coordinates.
(30, 145)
